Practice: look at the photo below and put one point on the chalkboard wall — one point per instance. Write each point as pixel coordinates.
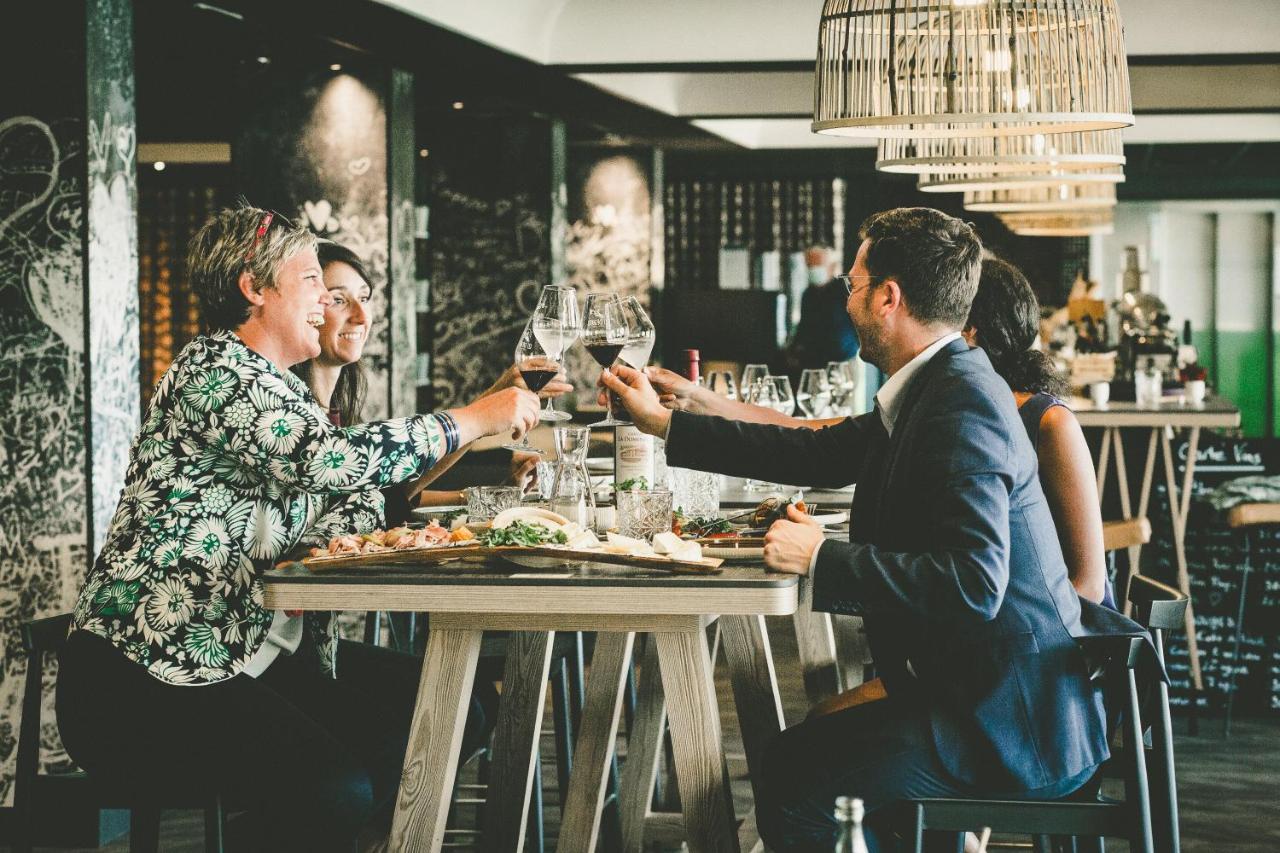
(1215, 562)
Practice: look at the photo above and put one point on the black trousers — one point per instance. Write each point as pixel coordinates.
(883, 752)
(311, 758)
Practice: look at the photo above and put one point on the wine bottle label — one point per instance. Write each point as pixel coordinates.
(632, 455)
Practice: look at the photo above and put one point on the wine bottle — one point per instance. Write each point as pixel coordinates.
(693, 365)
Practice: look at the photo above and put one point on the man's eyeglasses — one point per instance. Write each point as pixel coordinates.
(847, 281)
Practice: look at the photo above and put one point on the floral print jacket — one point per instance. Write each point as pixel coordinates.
(234, 467)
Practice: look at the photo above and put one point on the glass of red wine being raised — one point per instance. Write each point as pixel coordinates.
(604, 333)
(557, 324)
(536, 369)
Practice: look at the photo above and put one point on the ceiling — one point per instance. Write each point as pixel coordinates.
(1201, 71)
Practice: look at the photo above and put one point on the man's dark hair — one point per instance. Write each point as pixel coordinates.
(1006, 316)
(933, 257)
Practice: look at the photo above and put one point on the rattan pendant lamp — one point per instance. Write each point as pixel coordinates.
(994, 155)
(945, 182)
(970, 68)
(1060, 224)
(1042, 199)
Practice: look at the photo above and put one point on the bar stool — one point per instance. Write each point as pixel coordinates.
(1244, 517)
(45, 636)
(1147, 816)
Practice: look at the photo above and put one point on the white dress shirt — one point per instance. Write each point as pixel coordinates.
(890, 397)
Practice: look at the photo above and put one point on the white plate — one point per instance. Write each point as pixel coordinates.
(828, 519)
(599, 463)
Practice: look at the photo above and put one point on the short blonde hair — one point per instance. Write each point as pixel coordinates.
(227, 245)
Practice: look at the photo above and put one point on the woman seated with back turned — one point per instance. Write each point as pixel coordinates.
(174, 670)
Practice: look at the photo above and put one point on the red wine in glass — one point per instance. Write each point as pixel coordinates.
(536, 380)
(605, 353)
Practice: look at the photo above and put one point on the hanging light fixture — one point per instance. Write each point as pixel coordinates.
(944, 182)
(1060, 224)
(1055, 197)
(993, 155)
(954, 68)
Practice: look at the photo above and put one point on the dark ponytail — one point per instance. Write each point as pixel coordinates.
(1006, 317)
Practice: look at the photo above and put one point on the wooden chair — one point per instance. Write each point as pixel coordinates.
(1243, 518)
(1123, 534)
(47, 636)
(1148, 814)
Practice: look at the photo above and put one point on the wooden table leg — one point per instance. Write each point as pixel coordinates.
(597, 737)
(1179, 507)
(640, 771)
(515, 739)
(816, 645)
(756, 695)
(1104, 459)
(695, 733)
(435, 736)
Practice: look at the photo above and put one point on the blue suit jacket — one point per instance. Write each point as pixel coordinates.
(953, 561)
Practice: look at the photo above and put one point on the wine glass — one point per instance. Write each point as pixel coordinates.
(841, 388)
(814, 393)
(556, 324)
(721, 382)
(536, 369)
(763, 394)
(640, 335)
(604, 333)
(751, 374)
(784, 398)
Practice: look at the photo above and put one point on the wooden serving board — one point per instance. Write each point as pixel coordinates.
(541, 556)
(406, 559)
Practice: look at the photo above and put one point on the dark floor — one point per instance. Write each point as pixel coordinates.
(1229, 790)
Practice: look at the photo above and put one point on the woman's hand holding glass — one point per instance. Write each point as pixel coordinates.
(511, 411)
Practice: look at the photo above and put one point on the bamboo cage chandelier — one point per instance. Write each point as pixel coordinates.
(944, 182)
(1055, 197)
(954, 68)
(993, 155)
(1061, 224)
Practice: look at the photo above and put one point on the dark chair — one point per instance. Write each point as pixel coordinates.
(45, 636)
(1147, 816)
(1244, 517)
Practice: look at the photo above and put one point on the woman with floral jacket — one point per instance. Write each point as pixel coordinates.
(236, 467)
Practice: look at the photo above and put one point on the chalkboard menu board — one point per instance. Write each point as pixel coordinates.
(1216, 565)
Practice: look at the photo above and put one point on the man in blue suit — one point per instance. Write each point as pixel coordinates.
(952, 559)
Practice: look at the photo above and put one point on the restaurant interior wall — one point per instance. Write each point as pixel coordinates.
(493, 185)
(69, 328)
(609, 234)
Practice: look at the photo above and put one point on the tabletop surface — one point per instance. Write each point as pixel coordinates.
(496, 572)
(1214, 411)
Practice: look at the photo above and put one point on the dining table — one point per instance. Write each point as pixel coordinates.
(467, 597)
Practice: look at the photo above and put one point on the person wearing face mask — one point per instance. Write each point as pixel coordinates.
(823, 332)
(167, 673)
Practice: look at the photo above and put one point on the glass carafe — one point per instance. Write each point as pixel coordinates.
(571, 493)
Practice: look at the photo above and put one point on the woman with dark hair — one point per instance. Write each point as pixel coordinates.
(337, 380)
(1005, 322)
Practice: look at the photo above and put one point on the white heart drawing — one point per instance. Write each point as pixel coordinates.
(126, 141)
(55, 158)
(359, 167)
(318, 213)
